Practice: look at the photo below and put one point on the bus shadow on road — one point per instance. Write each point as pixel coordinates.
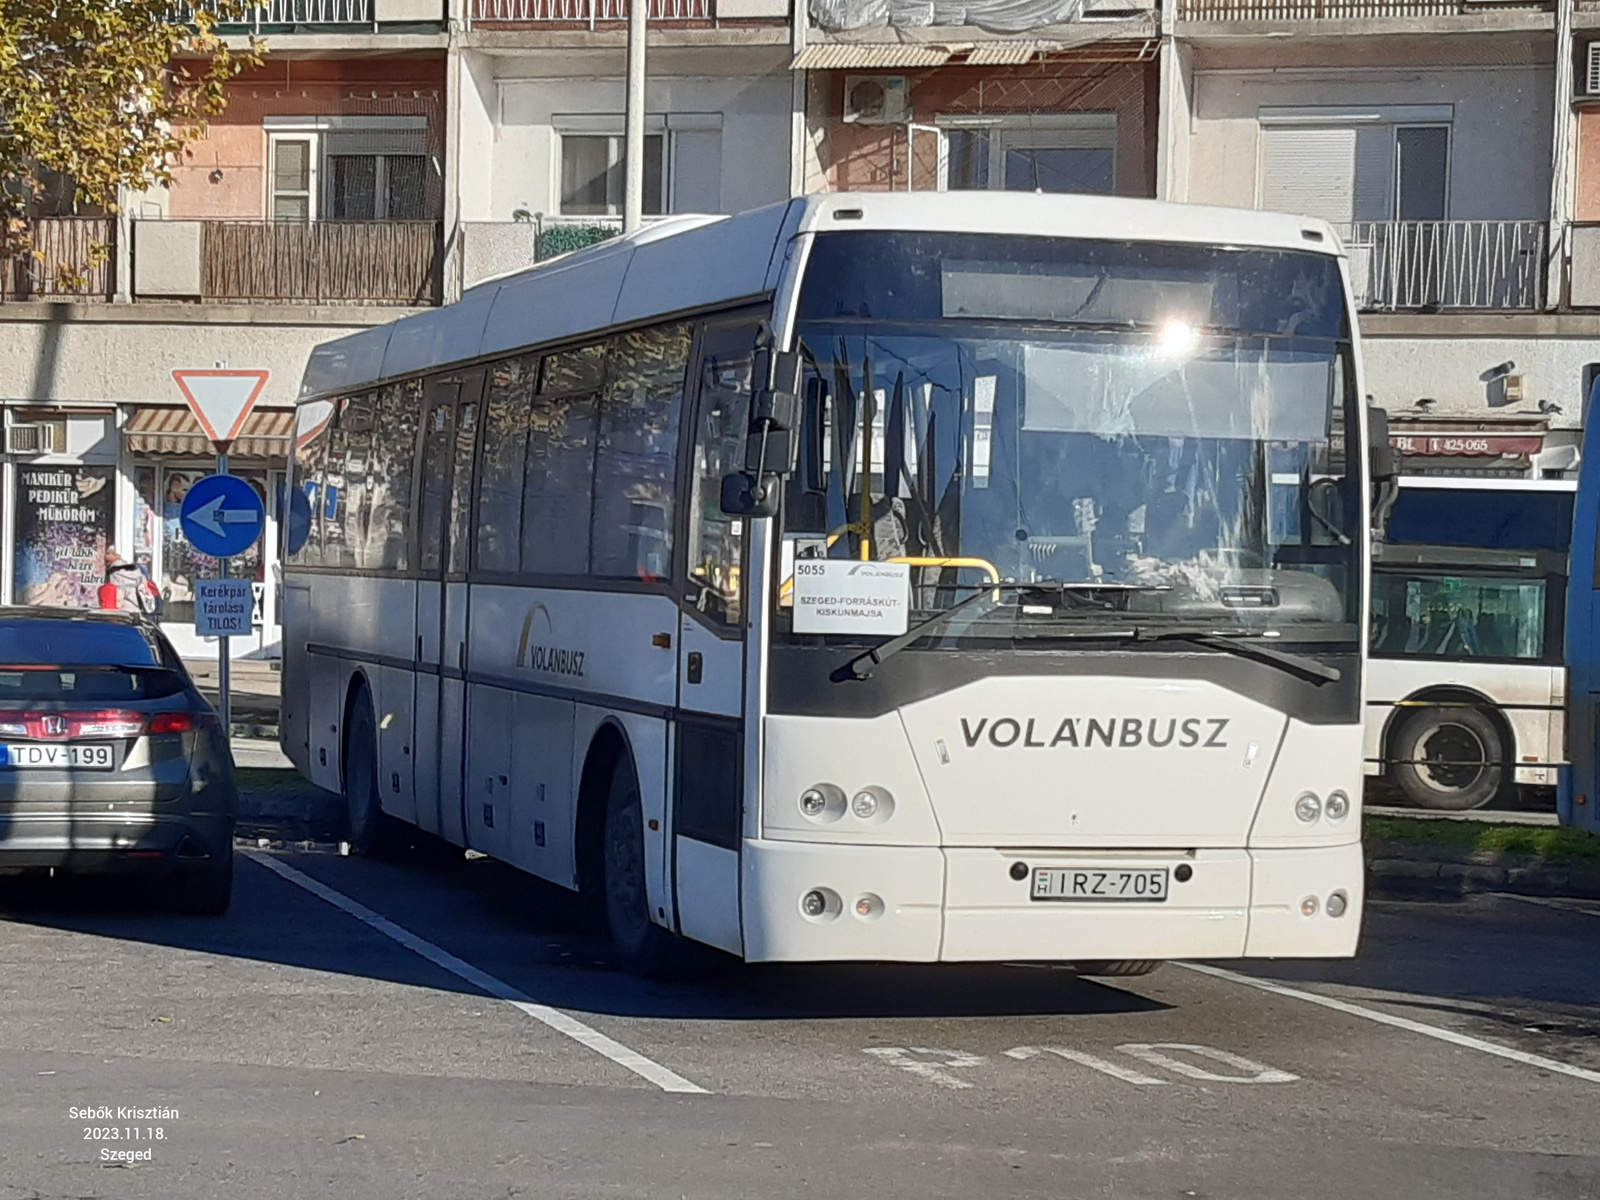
(542, 940)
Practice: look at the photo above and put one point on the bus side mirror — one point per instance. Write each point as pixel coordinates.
(747, 494)
(771, 445)
(1383, 462)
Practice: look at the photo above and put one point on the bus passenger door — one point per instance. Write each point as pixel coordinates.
(450, 416)
(708, 771)
(453, 646)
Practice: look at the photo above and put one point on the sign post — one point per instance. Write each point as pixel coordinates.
(222, 515)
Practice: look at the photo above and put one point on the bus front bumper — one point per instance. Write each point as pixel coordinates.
(960, 904)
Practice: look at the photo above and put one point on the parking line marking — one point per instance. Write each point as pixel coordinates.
(1406, 1023)
(666, 1080)
(1544, 902)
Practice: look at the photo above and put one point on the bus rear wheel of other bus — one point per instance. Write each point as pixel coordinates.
(1450, 758)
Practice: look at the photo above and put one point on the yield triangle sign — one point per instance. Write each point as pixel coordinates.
(221, 400)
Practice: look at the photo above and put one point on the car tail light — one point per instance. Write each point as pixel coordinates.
(99, 723)
(181, 722)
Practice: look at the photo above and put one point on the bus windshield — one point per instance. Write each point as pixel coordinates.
(1164, 419)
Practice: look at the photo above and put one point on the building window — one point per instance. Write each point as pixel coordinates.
(592, 174)
(376, 187)
(294, 177)
(350, 169)
(1057, 152)
(1386, 170)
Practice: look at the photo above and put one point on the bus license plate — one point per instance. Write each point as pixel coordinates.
(91, 758)
(1099, 883)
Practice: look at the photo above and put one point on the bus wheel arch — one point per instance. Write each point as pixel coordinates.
(357, 690)
(358, 767)
(613, 852)
(608, 748)
(1464, 716)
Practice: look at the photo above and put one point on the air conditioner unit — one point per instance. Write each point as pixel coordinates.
(1591, 77)
(31, 439)
(876, 100)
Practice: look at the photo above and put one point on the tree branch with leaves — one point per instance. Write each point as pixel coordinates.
(102, 94)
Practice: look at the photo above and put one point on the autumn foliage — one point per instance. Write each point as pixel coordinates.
(104, 94)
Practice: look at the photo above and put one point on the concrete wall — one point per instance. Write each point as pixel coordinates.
(1500, 134)
(515, 120)
(1447, 364)
(126, 353)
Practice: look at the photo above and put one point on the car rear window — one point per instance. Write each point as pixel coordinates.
(85, 685)
(51, 640)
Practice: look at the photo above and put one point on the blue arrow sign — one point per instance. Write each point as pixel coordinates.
(222, 515)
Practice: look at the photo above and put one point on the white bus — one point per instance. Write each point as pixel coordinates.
(926, 577)
(1466, 683)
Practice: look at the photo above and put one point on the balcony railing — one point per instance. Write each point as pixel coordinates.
(586, 12)
(63, 258)
(1437, 265)
(325, 262)
(490, 248)
(1342, 10)
(292, 14)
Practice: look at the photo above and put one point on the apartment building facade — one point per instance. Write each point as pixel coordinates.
(391, 153)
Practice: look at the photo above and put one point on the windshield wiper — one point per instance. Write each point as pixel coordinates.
(1235, 642)
(860, 667)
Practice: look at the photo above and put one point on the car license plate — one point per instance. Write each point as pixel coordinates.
(33, 754)
(1099, 883)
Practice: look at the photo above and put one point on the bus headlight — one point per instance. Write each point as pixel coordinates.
(873, 805)
(822, 803)
(1307, 807)
(1337, 904)
(1337, 807)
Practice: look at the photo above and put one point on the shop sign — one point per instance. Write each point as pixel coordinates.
(63, 530)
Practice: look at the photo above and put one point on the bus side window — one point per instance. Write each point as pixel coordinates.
(436, 440)
(722, 417)
(466, 448)
(635, 472)
(558, 487)
(303, 534)
(505, 440)
(394, 454)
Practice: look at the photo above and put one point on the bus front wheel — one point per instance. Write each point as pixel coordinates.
(644, 947)
(1449, 758)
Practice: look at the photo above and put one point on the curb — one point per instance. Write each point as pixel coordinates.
(1401, 871)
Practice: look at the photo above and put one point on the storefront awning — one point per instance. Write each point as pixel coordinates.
(266, 434)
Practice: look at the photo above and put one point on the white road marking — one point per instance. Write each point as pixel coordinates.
(900, 1056)
(1254, 1072)
(1383, 1018)
(666, 1080)
(1543, 902)
(1126, 1074)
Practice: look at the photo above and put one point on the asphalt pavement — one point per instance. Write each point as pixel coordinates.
(437, 1028)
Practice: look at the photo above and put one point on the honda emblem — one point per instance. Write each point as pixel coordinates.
(55, 726)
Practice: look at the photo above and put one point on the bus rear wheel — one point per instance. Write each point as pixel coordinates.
(1452, 759)
(371, 830)
(1124, 968)
(644, 947)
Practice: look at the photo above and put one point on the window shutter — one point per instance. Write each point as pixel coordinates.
(1309, 171)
